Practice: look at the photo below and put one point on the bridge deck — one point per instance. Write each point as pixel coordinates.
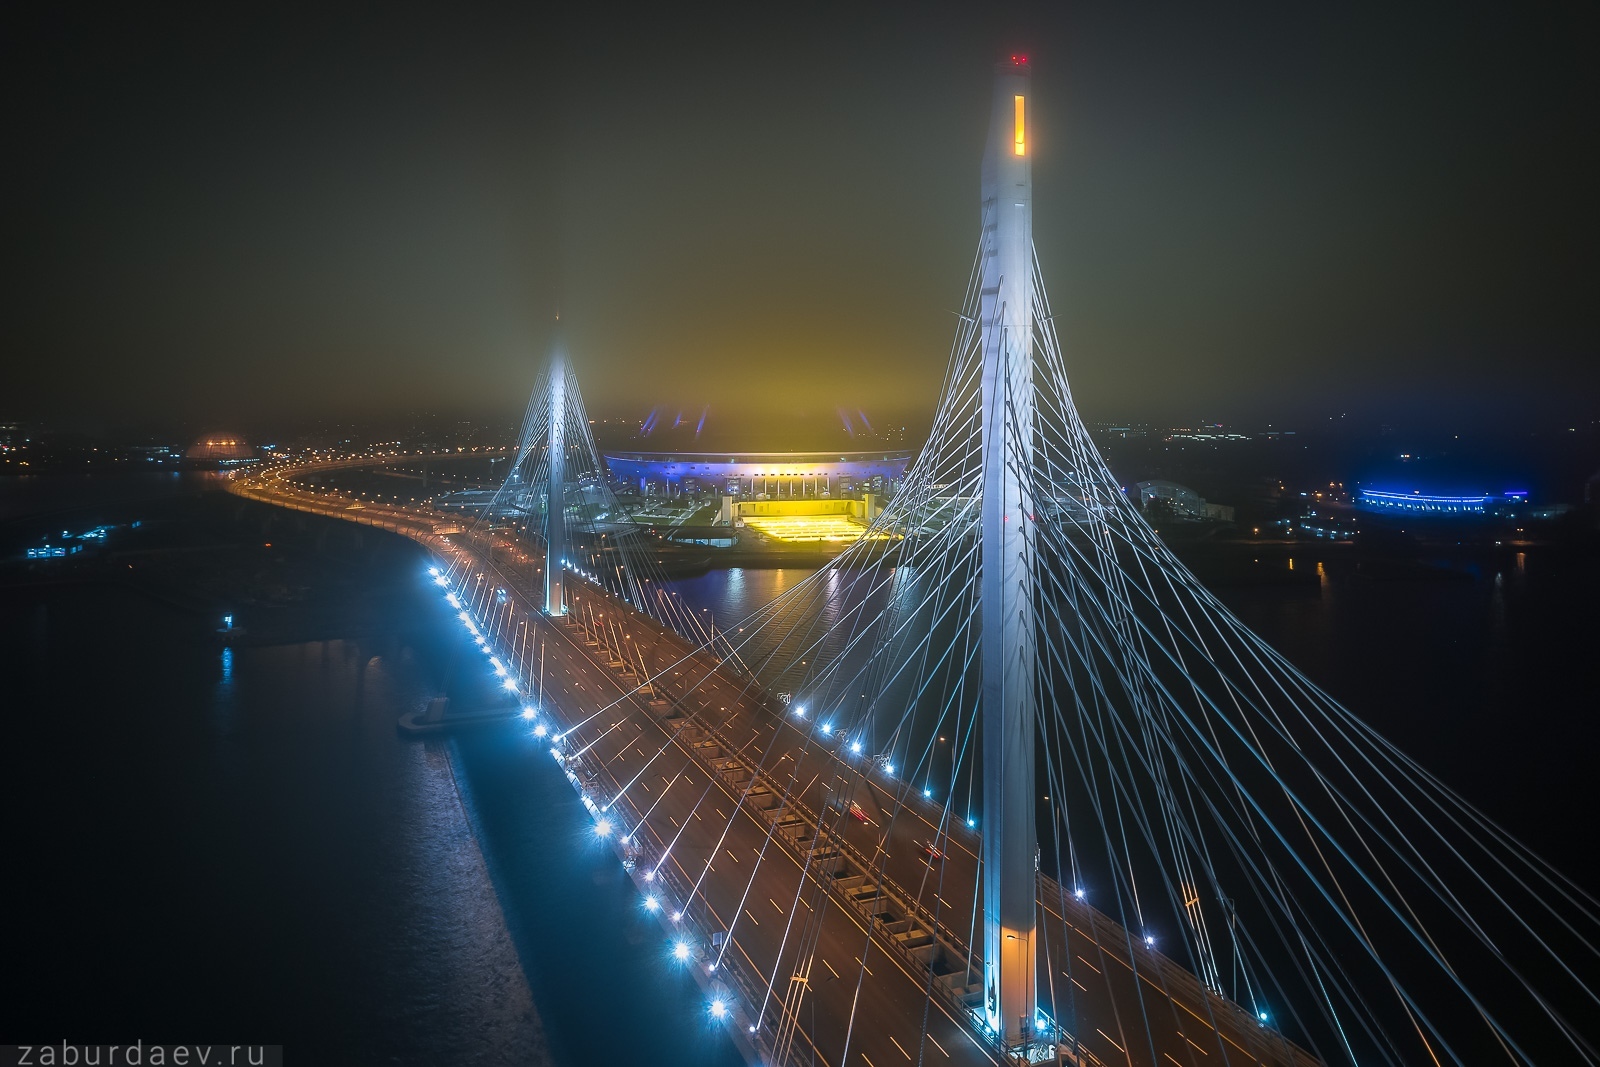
(750, 815)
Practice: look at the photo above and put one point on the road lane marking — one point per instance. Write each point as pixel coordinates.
(897, 1045)
(1114, 1045)
(828, 965)
(752, 917)
(864, 967)
(938, 1046)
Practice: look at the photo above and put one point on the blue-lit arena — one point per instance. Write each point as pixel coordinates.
(772, 475)
(1417, 502)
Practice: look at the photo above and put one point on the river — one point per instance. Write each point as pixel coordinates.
(228, 829)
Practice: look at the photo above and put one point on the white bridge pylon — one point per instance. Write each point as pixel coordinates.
(555, 517)
(555, 508)
(1008, 649)
(1175, 823)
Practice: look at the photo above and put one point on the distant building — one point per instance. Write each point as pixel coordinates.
(1416, 502)
(219, 450)
(1180, 502)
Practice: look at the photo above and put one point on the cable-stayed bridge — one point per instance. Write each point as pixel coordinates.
(1004, 781)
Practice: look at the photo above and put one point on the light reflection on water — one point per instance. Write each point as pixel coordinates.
(730, 595)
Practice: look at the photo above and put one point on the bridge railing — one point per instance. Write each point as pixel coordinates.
(1176, 980)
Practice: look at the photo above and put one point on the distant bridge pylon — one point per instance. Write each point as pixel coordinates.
(557, 497)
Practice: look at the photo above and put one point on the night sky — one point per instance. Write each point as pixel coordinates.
(1253, 212)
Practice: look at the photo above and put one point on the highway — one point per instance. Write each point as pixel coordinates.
(807, 859)
(1143, 1007)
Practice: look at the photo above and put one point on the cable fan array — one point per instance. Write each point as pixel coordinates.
(1212, 805)
(1232, 866)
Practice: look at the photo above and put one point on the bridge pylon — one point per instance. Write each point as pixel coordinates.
(572, 540)
(555, 511)
(1008, 654)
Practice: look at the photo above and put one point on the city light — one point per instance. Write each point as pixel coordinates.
(651, 903)
(603, 827)
(680, 951)
(855, 746)
(800, 711)
(510, 686)
(528, 712)
(719, 1008)
(540, 730)
(1078, 892)
(826, 729)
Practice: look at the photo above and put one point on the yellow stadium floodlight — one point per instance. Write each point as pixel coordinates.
(808, 529)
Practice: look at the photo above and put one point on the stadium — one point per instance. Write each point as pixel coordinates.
(786, 497)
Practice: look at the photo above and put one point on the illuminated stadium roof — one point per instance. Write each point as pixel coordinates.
(1418, 502)
(672, 467)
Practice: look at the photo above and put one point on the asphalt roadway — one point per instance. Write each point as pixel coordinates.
(723, 865)
(718, 859)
